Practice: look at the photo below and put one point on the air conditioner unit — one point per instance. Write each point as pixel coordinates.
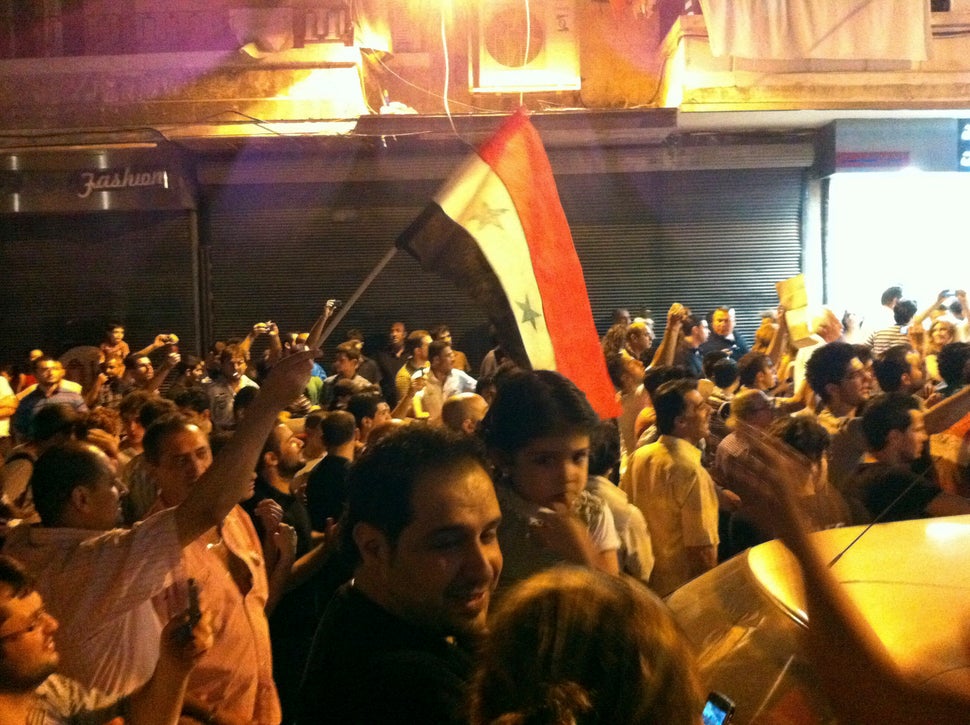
(497, 57)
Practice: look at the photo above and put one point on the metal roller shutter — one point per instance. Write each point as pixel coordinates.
(278, 252)
(703, 238)
(66, 276)
(645, 239)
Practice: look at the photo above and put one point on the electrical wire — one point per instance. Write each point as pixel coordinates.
(528, 42)
(258, 121)
(444, 49)
(429, 91)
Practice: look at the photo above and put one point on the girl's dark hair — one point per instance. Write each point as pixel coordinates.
(535, 404)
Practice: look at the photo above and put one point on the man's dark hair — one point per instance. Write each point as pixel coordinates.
(660, 374)
(438, 330)
(186, 363)
(15, 577)
(616, 369)
(380, 484)
(158, 432)
(57, 472)
(414, 340)
(827, 366)
(15, 582)
(194, 399)
(903, 312)
(689, 323)
(273, 445)
(349, 350)
(891, 293)
(52, 420)
(436, 348)
(670, 402)
(604, 448)
(154, 409)
(534, 404)
(133, 402)
(890, 368)
(233, 351)
(750, 365)
(724, 372)
(803, 433)
(337, 428)
(131, 361)
(364, 405)
(956, 308)
(313, 421)
(953, 361)
(710, 359)
(863, 352)
(884, 414)
(620, 314)
(42, 359)
(244, 398)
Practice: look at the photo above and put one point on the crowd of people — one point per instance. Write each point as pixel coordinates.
(246, 539)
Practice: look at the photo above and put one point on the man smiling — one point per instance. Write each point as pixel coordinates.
(393, 645)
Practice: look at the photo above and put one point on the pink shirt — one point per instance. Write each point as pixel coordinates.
(234, 679)
(100, 586)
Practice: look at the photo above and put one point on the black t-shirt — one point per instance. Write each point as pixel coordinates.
(878, 485)
(367, 666)
(326, 491)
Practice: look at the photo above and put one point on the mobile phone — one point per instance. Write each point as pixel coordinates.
(718, 709)
(195, 614)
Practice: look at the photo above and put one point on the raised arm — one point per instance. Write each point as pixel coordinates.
(164, 370)
(668, 344)
(780, 339)
(862, 681)
(226, 481)
(158, 343)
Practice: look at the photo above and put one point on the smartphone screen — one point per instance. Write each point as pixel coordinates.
(717, 710)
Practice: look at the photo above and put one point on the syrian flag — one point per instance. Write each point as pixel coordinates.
(497, 230)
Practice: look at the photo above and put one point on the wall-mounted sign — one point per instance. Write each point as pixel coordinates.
(110, 179)
(882, 160)
(861, 145)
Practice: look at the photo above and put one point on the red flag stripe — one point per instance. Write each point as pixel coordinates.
(518, 158)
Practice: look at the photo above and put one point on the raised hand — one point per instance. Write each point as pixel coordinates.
(270, 515)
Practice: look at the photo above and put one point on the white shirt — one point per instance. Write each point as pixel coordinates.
(636, 551)
(99, 586)
(432, 397)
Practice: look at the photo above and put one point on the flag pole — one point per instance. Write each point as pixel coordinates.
(339, 314)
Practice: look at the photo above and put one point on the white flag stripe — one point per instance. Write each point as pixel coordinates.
(476, 199)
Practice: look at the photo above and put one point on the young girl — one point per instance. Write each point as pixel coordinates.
(571, 645)
(537, 432)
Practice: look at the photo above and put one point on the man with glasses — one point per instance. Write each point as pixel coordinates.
(32, 691)
(839, 378)
(98, 580)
